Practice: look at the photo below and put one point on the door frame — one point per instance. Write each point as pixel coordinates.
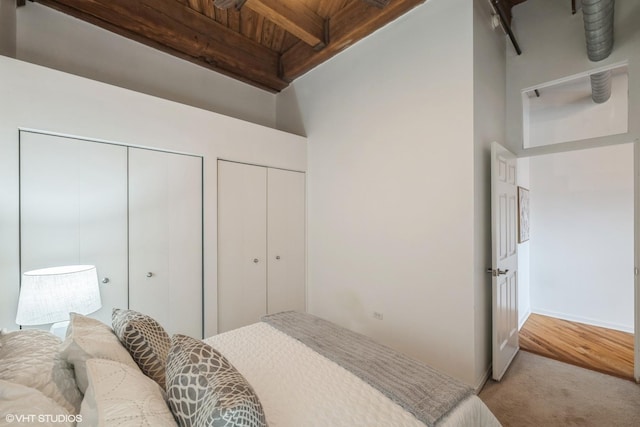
(636, 257)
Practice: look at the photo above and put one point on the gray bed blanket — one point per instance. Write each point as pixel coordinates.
(419, 389)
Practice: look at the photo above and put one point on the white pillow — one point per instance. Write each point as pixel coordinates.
(22, 405)
(89, 338)
(123, 396)
(31, 357)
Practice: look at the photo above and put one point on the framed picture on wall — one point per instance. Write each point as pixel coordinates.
(523, 214)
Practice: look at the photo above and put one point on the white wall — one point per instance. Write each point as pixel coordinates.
(566, 112)
(391, 185)
(582, 236)
(53, 39)
(35, 97)
(488, 124)
(524, 252)
(553, 46)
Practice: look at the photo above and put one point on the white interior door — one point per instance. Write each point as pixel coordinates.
(73, 210)
(165, 239)
(242, 244)
(504, 281)
(285, 240)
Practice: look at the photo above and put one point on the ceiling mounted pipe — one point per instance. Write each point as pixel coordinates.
(598, 29)
(601, 86)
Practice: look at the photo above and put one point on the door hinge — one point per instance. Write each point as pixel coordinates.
(636, 271)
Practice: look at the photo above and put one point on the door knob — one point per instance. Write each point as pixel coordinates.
(256, 260)
(105, 280)
(149, 274)
(277, 256)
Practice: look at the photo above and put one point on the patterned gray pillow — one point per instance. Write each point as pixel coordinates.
(204, 389)
(145, 339)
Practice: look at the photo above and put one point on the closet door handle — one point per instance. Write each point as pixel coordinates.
(105, 280)
(497, 272)
(256, 260)
(149, 274)
(277, 256)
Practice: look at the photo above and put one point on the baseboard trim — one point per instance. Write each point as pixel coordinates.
(524, 318)
(483, 380)
(585, 320)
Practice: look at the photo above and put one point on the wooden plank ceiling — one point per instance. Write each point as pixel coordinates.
(266, 43)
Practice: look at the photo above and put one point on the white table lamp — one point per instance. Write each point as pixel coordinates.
(50, 294)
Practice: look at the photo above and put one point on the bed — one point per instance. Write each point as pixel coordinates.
(289, 370)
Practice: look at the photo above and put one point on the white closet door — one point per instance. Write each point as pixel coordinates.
(73, 210)
(165, 239)
(285, 240)
(242, 264)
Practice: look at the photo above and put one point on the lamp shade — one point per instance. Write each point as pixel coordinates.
(50, 294)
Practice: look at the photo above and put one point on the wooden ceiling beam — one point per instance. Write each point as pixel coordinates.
(226, 4)
(326, 8)
(173, 27)
(377, 3)
(352, 23)
(294, 16)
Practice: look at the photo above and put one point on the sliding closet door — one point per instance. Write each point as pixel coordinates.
(165, 239)
(242, 263)
(73, 210)
(286, 240)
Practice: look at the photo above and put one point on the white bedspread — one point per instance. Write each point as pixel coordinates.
(300, 388)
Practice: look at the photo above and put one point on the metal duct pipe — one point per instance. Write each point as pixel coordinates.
(601, 86)
(598, 29)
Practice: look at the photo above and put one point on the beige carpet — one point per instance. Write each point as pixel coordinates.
(537, 391)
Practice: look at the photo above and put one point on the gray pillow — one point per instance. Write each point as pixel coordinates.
(145, 339)
(204, 389)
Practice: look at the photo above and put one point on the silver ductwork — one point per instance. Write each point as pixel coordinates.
(601, 86)
(598, 28)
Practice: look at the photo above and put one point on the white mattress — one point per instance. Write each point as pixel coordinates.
(298, 387)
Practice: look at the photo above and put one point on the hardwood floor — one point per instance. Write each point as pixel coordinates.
(600, 349)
